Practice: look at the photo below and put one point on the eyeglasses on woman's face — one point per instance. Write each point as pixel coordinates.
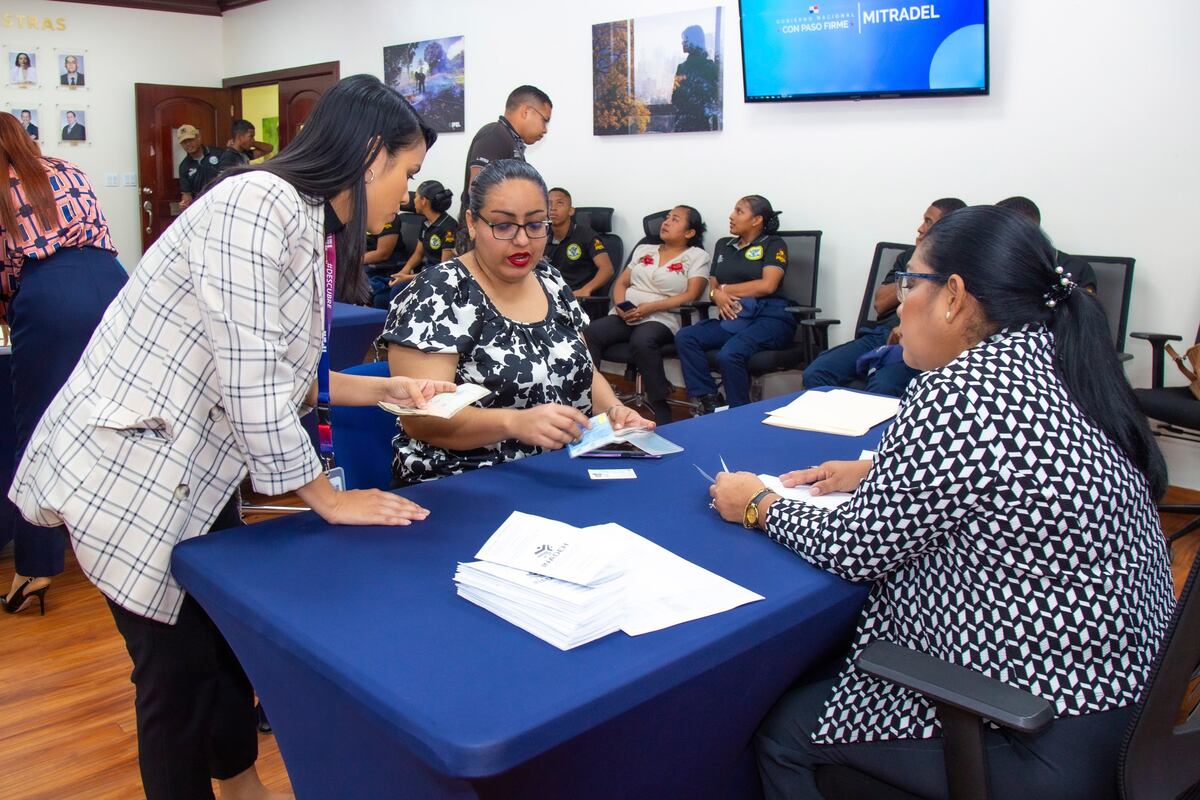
(905, 281)
(507, 231)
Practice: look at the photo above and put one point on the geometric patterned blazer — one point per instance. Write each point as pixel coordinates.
(1001, 531)
(194, 377)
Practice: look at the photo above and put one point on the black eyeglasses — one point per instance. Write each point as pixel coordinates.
(904, 281)
(545, 119)
(507, 231)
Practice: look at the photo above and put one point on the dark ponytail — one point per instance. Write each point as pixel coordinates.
(696, 223)
(496, 173)
(761, 207)
(439, 196)
(1009, 266)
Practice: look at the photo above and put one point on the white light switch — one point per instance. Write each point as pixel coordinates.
(130, 179)
(112, 179)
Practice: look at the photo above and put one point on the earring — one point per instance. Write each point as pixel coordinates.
(370, 175)
(947, 316)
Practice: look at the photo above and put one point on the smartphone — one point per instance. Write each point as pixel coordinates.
(625, 305)
(619, 450)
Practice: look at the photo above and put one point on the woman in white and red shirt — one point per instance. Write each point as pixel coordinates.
(659, 279)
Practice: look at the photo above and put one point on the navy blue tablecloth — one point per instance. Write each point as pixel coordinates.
(381, 682)
(354, 328)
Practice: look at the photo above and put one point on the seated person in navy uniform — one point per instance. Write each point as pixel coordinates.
(839, 366)
(575, 250)
(744, 285)
(438, 236)
(385, 253)
(1080, 270)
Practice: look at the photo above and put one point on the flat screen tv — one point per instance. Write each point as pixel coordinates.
(858, 49)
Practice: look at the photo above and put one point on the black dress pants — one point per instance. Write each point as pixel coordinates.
(646, 340)
(195, 705)
(1075, 757)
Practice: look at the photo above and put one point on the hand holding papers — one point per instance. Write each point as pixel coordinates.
(606, 578)
(837, 411)
(444, 405)
(601, 435)
(803, 494)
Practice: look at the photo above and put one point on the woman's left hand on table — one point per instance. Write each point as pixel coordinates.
(731, 493)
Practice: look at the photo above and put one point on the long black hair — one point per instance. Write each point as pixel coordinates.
(496, 173)
(761, 207)
(1008, 265)
(696, 223)
(351, 123)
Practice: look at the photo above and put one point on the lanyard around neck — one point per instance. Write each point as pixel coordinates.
(324, 417)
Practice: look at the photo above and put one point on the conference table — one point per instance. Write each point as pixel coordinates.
(354, 328)
(381, 682)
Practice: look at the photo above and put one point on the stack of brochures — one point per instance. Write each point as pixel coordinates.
(837, 411)
(569, 586)
(601, 440)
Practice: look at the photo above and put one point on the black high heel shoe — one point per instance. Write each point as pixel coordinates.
(17, 600)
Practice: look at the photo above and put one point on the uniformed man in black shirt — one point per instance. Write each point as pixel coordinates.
(575, 249)
(525, 121)
(242, 147)
(1081, 271)
(385, 253)
(198, 168)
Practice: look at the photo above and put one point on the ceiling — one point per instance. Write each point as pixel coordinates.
(213, 8)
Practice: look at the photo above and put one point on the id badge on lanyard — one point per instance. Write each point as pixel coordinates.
(334, 473)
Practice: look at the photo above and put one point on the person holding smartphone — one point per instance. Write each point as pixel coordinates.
(646, 300)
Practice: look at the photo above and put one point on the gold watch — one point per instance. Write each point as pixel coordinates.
(750, 515)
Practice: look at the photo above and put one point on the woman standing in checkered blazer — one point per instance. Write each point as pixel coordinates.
(195, 378)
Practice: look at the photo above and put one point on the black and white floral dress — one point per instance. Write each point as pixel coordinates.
(1002, 531)
(445, 310)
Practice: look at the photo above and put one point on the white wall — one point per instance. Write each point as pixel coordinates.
(1092, 114)
(122, 47)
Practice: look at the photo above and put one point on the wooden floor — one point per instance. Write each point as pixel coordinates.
(66, 704)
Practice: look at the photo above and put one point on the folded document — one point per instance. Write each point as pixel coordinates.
(837, 411)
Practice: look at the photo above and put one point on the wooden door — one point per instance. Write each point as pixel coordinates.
(160, 111)
(297, 96)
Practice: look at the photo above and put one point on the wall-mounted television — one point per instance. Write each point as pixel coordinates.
(858, 49)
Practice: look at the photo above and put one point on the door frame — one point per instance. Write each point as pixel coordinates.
(325, 68)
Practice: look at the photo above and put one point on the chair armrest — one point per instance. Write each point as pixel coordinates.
(1158, 343)
(820, 323)
(1123, 357)
(807, 310)
(955, 686)
(694, 312)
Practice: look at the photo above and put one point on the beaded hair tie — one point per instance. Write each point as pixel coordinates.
(1061, 290)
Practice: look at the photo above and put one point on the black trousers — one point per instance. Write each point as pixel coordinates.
(195, 705)
(646, 340)
(1075, 757)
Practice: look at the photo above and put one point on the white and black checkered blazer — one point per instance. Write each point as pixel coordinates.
(1003, 531)
(195, 377)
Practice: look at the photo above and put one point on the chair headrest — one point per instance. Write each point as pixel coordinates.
(651, 223)
(598, 218)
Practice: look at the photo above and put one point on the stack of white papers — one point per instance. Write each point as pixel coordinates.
(803, 494)
(569, 586)
(444, 405)
(837, 411)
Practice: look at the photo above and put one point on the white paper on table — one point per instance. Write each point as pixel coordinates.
(548, 547)
(803, 494)
(866, 455)
(663, 589)
(837, 411)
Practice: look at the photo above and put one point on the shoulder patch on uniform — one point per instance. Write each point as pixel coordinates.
(574, 252)
(781, 256)
(435, 242)
(754, 253)
(597, 244)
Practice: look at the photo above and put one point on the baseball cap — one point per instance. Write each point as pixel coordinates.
(186, 132)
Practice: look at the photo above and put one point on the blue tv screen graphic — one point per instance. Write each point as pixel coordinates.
(843, 48)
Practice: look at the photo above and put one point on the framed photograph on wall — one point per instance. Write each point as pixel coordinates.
(72, 69)
(658, 74)
(22, 66)
(431, 75)
(73, 124)
(30, 119)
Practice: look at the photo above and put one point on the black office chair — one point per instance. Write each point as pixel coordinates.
(599, 219)
(882, 262)
(1159, 758)
(1175, 412)
(410, 232)
(1114, 290)
(800, 288)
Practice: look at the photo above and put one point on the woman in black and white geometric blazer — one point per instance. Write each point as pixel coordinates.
(196, 378)
(1007, 524)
